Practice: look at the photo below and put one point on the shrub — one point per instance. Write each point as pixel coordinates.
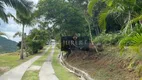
(108, 38)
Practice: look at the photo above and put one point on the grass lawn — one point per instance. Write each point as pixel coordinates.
(61, 72)
(10, 60)
(33, 75)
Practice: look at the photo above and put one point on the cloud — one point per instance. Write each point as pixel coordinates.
(11, 28)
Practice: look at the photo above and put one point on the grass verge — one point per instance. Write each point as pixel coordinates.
(33, 74)
(61, 72)
(11, 60)
(40, 61)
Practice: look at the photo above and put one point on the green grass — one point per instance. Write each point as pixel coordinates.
(33, 75)
(61, 72)
(40, 61)
(11, 60)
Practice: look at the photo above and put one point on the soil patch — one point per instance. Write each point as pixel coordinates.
(105, 65)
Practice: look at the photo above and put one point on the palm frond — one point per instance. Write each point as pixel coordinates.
(91, 6)
(22, 6)
(17, 34)
(27, 7)
(132, 42)
(2, 13)
(26, 20)
(102, 19)
(14, 18)
(136, 19)
(109, 2)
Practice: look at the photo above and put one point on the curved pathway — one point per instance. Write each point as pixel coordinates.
(47, 71)
(18, 72)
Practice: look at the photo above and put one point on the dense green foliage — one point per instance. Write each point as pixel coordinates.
(64, 17)
(7, 45)
(124, 12)
(133, 40)
(109, 38)
(36, 40)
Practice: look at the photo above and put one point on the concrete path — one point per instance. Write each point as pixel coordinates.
(47, 71)
(18, 72)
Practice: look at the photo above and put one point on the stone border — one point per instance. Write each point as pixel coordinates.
(76, 71)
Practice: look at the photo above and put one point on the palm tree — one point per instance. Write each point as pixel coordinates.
(25, 21)
(22, 6)
(24, 42)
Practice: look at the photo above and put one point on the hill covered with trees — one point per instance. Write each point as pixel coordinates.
(7, 45)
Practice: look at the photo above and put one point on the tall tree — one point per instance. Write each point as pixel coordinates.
(82, 6)
(25, 21)
(63, 16)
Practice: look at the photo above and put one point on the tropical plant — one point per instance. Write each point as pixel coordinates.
(133, 40)
(25, 21)
(21, 6)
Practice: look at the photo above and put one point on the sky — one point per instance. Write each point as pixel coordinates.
(12, 27)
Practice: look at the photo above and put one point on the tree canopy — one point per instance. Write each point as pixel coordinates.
(62, 16)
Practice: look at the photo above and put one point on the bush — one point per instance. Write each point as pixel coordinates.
(36, 40)
(106, 38)
(35, 45)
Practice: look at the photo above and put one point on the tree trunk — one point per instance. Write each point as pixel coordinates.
(91, 45)
(131, 29)
(25, 46)
(89, 27)
(22, 44)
